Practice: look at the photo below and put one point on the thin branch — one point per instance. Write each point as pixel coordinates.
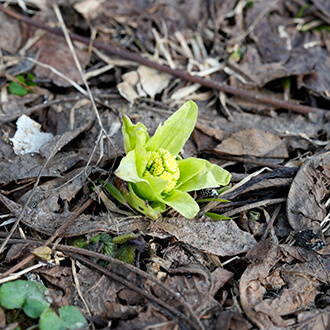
(142, 292)
(58, 232)
(303, 109)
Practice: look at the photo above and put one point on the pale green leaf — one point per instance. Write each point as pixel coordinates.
(211, 176)
(176, 130)
(216, 216)
(189, 167)
(127, 170)
(141, 156)
(141, 205)
(72, 317)
(115, 192)
(158, 206)
(151, 189)
(49, 320)
(183, 203)
(130, 131)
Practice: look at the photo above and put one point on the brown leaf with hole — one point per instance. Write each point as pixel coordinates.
(306, 206)
(285, 281)
(254, 142)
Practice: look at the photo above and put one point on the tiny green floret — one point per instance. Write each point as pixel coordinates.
(163, 164)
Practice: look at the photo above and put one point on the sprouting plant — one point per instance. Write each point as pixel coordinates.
(21, 87)
(156, 176)
(117, 247)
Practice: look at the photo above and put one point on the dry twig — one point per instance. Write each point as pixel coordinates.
(163, 68)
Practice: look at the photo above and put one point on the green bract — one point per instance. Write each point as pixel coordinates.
(154, 171)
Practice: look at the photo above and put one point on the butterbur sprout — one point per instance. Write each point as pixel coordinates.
(157, 177)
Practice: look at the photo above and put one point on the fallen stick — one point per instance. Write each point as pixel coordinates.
(303, 109)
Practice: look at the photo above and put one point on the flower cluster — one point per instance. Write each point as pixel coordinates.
(157, 175)
(162, 164)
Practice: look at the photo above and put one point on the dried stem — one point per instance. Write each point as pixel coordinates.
(163, 68)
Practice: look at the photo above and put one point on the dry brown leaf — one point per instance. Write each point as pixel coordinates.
(314, 319)
(62, 289)
(3, 318)
(15, 252)
(306, 200)
(153, 82)
(29, 166)
(222, 238)
(43, 252)
(48, 222)
(269, 290)
(196, 285)
(55, 52)
(127, 91)
(79, 120)
(254, 142)
(114, 310)
(11, 40)
(88, 8)
(97, 290)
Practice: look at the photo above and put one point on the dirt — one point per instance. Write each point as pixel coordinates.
(256, 255)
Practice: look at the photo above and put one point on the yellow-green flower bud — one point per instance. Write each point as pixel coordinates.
(163, 164)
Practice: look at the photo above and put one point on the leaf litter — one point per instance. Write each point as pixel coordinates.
(266, 267)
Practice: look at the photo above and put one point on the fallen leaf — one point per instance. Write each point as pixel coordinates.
(11, 40)
(43, 252)
(315, 319)
(254, 142)
(196, 285)
(153, 82)
(97, 290)
(48, 222)
(306, 207)
(78, 121)
(127, 91)
(29, 166)
(222, 238)
(284, 281)
(55, 52)
(88, 8)
(62, 289)
(16, 251)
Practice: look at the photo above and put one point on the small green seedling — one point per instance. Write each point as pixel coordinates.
(19, 89)
(117, 247)
(69, 318)
(30, 297)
